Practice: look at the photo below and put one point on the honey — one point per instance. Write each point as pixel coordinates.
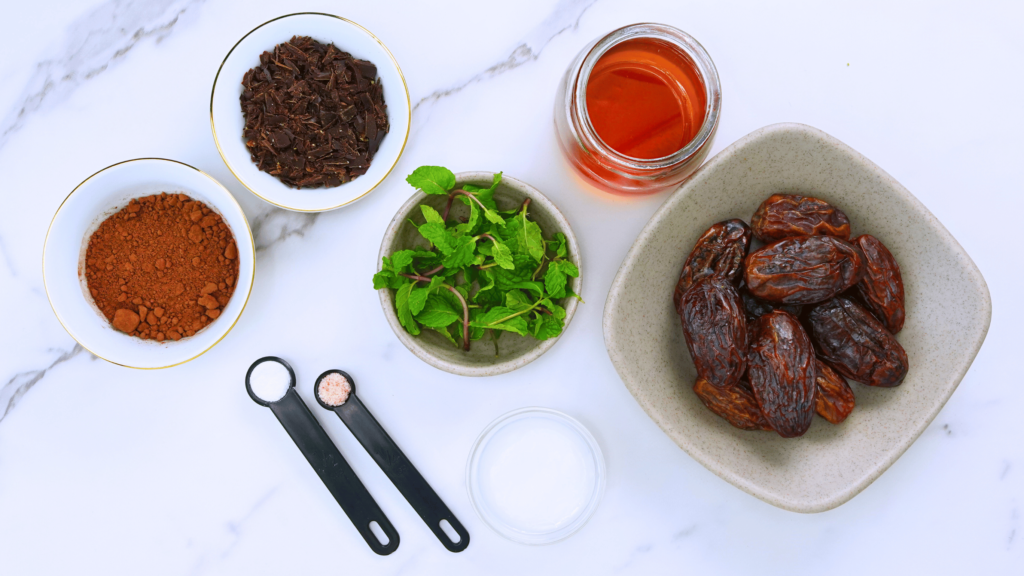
(645, 99)
(637, 111)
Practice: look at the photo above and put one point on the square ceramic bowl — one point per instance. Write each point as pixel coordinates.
(89, 204)
(515, 351)
(948, 314)
(226, 112)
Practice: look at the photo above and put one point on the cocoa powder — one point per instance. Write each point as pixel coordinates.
(163, 267)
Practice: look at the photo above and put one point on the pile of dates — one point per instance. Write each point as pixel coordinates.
(775, 333)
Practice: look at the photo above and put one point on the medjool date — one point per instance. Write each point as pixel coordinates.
(755, 307)
(782, 373)
(835, 400)
(803, 270)
(853, 342)
(787, 215)
(881, 287)
(735, 404)
(719, 251)
(715, 330)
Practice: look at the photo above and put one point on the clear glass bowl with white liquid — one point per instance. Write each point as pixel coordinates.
(535, 475)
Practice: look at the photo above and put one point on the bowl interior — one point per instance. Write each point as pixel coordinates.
(227, 121)
(948, 313)
(514, 350)
(103, 194)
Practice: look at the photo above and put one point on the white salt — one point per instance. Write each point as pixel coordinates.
(270, 381)
(537, 475)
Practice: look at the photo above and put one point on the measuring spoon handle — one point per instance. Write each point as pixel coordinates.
(402, 473)
(335, 472)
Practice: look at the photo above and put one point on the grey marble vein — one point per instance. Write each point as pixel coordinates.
(22, 382)
(637, 552)
(1013, 529)
(234, 530)
(7, 259)
(565, 16)
(93, 44)
(277, 225)
(685, 532)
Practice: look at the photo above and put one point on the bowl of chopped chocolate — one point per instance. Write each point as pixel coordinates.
(148, 263)
(310, 111)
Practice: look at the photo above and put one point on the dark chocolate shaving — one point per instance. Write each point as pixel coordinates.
(314, 115)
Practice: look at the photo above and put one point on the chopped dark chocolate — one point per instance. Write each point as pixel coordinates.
(314, 115)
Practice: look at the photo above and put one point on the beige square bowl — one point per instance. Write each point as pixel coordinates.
(948, 314)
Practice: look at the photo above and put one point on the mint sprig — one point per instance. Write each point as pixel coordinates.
(490, 272)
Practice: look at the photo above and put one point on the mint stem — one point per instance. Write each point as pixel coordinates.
(461, 192)
(465, 307)
(447, 207)
(489, 237)
(520, 313)
(539, 266)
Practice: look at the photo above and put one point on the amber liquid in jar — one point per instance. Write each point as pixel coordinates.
(645, 99)
(638, 109)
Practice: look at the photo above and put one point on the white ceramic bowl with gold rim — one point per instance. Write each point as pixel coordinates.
(227, 121)
(81, 213)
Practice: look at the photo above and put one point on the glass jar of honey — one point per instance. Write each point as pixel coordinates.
(637, 110)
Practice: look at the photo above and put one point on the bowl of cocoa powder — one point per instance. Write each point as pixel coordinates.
(148, 263)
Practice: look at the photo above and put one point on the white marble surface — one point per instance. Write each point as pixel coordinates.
(105, 470)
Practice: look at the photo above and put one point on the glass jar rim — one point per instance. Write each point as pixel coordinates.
(701, 60)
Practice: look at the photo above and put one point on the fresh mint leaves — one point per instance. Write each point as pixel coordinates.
(488, 273)
(432, 179)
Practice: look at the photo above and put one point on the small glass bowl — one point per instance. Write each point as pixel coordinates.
(535, 475)
(602, 165)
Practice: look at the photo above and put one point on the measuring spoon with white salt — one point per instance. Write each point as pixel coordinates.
(336, 390)
(270, 382)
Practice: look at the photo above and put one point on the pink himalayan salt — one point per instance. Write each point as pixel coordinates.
(334, 389)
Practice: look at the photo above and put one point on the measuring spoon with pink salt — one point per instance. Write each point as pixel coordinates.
(336, 390)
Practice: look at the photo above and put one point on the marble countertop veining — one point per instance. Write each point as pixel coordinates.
(106, 470)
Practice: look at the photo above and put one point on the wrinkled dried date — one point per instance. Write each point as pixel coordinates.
(715, 330)
(719, 251)
(835, 400)
(855, 301)
(881, 287)
(802, 270)
(755, 307)
(787, 215)
(782, 373)
(853, 342)
(735, 404)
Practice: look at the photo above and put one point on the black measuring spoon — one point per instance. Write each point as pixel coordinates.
(328, 462)
(394, 463)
